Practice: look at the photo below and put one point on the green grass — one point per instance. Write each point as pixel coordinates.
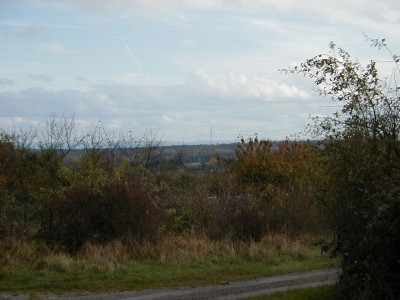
(176, 262)
(141, 275)
(325, 292)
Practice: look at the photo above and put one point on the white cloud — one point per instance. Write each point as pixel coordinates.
(39, 77)
(53, 47)
(265, 24)
(337, 11)
(168, 119)
(237, 48)
(80, 78)
(5, 81)
(242, 87)
(178, 110)
(179, 61)
(32, 31)
(189, 42)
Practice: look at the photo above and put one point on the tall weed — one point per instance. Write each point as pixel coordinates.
(171, 249)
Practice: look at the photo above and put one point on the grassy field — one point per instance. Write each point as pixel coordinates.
(174, 261)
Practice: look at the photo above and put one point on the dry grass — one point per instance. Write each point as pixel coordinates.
(170, 249)
(189, 249)
(177, 260)
(17, 252)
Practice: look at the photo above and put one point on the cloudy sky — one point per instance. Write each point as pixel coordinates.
(182, 66)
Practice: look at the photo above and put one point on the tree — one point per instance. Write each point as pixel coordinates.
(360, 152)
(276, 184)
(60, 134)
(18, 168)
(251, 165)
(49, 193)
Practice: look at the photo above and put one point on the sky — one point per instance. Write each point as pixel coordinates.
(196, 70)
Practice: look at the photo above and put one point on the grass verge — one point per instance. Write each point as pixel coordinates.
(174, 261)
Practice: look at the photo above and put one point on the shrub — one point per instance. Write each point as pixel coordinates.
(360, 154)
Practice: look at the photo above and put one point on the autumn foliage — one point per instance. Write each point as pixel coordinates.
(115, 189)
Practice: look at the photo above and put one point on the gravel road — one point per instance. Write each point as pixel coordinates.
(225, 290)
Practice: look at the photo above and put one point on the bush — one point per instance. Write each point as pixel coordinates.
(374, 272)
(117, 210)
(360, 156)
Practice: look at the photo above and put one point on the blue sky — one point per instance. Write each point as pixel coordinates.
(180, 66)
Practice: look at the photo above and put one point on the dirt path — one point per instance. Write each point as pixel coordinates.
(225, 290)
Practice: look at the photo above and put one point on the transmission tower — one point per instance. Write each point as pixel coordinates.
(211, 141)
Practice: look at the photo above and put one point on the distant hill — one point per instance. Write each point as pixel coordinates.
(201, 142)
(193, 152)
